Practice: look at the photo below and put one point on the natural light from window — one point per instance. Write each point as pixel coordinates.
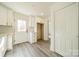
(21, 25)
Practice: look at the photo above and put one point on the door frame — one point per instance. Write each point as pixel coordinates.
(42, 24)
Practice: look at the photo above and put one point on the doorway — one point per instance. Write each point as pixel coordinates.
(42, 43)
(40, 31)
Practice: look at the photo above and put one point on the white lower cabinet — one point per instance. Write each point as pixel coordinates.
(3, 45)
(9, 42)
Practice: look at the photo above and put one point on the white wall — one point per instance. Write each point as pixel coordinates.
(53, 8)
(64, 15)
(32, 35)
(20, 37)
(45, 22)
(59, 5)
(51, 31)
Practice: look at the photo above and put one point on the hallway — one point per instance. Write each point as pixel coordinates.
(39, 49)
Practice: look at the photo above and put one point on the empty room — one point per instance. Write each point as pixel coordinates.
(39, 29)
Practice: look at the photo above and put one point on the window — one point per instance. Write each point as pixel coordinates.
(21, 25)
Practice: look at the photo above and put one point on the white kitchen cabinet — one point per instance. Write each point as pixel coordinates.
(10, 22)
(66, 31)
(6, 16)
(3, 15)
(9, 44)
(3, 45)
(10, 16)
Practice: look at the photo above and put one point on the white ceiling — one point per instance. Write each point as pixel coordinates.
(30, 8)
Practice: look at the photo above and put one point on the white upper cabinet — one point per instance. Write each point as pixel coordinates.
(3, 15)
(6, 16)
(10, 17)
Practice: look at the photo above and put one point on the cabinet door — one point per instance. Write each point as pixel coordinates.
(3, 15)
(66, 25)
(10, 45)
(10, 18)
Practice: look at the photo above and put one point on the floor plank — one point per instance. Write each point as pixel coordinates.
(39, 49)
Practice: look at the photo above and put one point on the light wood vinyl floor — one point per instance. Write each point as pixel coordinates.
(39, 49)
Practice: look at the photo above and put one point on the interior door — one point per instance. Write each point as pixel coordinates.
(66, 31)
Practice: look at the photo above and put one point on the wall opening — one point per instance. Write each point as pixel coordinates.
(40, 31)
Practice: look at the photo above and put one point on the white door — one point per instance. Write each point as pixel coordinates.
(66, 31)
